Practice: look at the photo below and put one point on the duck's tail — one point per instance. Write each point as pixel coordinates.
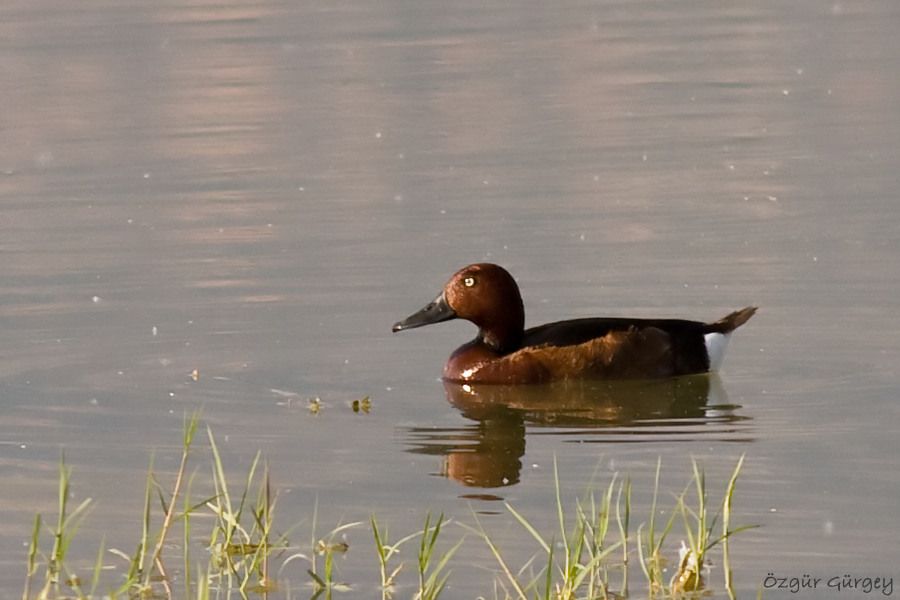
(716, 335)
(730, 322)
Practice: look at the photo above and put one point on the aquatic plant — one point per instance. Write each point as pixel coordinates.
(585, 556)
(54, 563)
(385, 551)
(584, 570)
(581, 571)
(699, 528)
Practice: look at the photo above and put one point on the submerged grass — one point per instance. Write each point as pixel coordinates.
(385, 551)
(586, 555)
(326, 549)
(699, 527)
(54, 563)
(579, 560)
(572, 565)
(431, 566)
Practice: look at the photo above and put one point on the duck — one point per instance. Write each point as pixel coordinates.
(505, 352)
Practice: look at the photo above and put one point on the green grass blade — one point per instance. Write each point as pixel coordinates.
(726, 524)
(513, 582)
(559, 508)
(592, 564)
(528, 527)
(32, 556)
(98, 567)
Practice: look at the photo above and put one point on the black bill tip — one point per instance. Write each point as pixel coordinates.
(435, 311)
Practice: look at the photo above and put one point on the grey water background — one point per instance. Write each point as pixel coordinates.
(258, 191)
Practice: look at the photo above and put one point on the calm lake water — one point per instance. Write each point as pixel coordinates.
(259, 190)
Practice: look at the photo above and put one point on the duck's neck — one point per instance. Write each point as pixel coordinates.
(504, 336)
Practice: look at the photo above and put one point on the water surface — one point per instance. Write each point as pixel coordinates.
(258, 192)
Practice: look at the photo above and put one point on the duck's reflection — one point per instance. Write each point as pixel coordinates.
(488, 454)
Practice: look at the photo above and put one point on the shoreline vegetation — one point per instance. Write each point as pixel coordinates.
(591, 552)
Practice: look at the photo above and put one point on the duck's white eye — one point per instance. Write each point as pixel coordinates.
(469, 281)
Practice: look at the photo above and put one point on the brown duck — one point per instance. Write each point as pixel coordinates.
(598, 348)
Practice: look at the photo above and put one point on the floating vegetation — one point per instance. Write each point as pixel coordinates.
(362, 405)
(586, 555)
(314, 404)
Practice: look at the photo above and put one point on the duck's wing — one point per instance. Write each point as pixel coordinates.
(578, 331)
(662, 346)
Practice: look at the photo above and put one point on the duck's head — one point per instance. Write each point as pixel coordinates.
(485, 294)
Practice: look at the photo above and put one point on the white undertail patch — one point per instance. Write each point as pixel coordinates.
(716, 344)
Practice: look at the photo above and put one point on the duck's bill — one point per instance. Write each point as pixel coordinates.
(434, 312)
